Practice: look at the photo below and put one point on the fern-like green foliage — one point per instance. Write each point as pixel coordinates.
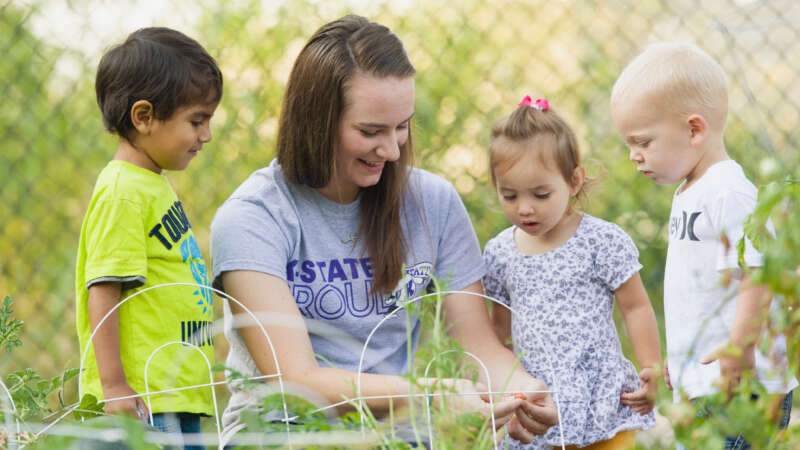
(9, 327)
(28, 389)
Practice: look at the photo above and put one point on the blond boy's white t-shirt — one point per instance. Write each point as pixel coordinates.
(698, 308)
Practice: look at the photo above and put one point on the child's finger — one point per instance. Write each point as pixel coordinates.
(499, 421)
(501, 433)
(714, 355)
(634, 403)
(640, 394)
(542, 409)
(503, 410)
(518, 432)
(141, 410)
(530, 418)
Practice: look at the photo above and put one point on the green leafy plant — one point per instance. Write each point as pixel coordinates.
(779, 202)
(31, 392)
(9, 327)
(749, 410)
(89, 408)
(28, 389)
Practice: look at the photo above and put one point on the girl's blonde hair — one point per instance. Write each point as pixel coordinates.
(528, 123)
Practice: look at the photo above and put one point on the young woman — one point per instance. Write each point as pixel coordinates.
(340, 230)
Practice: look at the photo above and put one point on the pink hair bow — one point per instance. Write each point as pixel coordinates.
(541, 103)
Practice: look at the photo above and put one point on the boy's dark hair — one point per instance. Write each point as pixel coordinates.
(160, 65)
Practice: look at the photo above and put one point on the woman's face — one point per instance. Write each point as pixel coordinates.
(373, 128)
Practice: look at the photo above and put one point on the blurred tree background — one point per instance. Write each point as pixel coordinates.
(475, 59)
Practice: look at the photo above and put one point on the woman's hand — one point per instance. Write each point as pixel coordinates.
(462, 396)
(468, 323)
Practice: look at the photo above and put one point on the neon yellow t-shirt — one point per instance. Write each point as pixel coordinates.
(136, 232)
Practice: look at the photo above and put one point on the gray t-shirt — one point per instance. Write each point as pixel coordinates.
(292, 232)
(564, 300)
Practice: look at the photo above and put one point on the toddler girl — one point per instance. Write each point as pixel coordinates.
(559, 269)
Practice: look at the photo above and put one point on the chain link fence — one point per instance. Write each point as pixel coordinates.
(475, 59)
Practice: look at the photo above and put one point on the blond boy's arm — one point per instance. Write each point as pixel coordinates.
(102, 298)
(752, 306)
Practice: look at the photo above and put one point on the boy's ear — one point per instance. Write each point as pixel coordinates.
(698, 128)
(578, 177)
(142, 116)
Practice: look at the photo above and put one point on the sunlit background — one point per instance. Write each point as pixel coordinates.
(475, 59)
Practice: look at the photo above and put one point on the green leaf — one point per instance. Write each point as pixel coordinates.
(89, 408)
(740, 251)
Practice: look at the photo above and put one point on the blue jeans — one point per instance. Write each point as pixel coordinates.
(739, 443)
(179, 423)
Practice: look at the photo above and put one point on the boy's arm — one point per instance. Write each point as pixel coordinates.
(102, 298)
(752, 306)
(640, 321)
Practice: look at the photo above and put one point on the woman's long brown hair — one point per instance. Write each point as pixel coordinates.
(307, 136)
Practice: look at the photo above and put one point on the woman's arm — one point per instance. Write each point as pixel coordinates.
(269, 296)
(468, 321)
(640, 321)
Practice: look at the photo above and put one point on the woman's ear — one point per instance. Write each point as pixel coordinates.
(698, 129)
(142, 116)
(578, 177)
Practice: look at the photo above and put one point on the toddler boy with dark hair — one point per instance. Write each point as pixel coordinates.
(157, 91)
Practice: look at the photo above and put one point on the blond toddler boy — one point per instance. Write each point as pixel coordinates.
(670, 106)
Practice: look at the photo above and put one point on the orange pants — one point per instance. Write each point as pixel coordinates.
(624, 440)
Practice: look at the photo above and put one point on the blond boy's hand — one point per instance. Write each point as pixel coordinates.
(733, 362)
(131, 406)
(643, 400)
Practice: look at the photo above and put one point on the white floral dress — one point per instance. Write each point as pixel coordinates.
(562, 324)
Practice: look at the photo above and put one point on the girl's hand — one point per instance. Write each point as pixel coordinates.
(643, 400)
(536, 414)
(131, 406)
(533, 418)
